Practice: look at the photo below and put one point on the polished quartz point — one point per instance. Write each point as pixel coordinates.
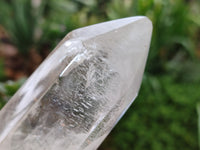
(77, 95)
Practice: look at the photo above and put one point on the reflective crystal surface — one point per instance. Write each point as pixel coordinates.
(77, 95)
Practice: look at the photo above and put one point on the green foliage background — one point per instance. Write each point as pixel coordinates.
(164, 116)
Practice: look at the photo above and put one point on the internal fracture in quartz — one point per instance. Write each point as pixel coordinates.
(73, 100)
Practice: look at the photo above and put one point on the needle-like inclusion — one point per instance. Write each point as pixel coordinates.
(77, 95)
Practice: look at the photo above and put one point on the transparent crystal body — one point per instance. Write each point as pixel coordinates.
(77, 95)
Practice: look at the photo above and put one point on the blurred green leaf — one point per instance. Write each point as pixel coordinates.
(2, 74)
(165, 120)
(8, 89)
(198, 111)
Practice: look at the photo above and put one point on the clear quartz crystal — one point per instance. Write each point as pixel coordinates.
(77, 95)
